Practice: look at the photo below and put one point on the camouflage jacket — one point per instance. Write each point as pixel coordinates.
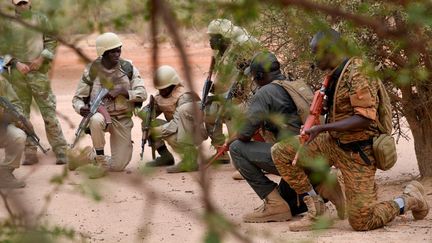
(355, 94)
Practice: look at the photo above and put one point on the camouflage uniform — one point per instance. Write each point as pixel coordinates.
(27, 46)
(354, 95)
(120, 110)
(229, 71)
(12, 138)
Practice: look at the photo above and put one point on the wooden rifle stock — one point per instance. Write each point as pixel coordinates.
(314, 115)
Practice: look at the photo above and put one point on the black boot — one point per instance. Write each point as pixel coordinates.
(165, 158)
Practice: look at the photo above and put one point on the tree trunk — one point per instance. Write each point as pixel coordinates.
(420, 124)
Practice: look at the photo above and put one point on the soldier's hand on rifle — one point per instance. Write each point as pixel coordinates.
(84, 111)
(36, 63)
(22, 68)
(312, 133)
(118, 91)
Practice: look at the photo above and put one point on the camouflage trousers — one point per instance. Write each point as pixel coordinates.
(364, 212)
(36, 85)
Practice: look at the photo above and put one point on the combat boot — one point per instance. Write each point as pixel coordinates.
(61, 159)
(164, 159)
(415, 200)
(335, 195)
(316, 207)
(30, 157)
(183, 166)
(8, 180)
(80, 157)
(100, 168)
(274, 209)
(237, 176)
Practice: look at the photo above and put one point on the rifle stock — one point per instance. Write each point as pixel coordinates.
(95, 106)
(314, 115)
(8, 106)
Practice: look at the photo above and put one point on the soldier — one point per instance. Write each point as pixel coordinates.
(251, 158)
(233, 47)
(176, 103)
(126, 88)
(12, 139)
(346, 142)
(32, 53)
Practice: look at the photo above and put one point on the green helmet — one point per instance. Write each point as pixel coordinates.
(107, 41)
(166, 76)
(223, 27)
(263, 62)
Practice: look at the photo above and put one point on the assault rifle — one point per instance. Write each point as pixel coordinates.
(10, 109)
(146, 128)
(207, 84)
(313, 118)
(96, 105)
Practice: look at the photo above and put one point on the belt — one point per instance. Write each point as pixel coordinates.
(357, 147)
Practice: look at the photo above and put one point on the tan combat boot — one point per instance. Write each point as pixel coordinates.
(8, 180)
(316, 207)
(274, 209)
(30, 157)
(335, 195)
(237, 176)
(101, 167)
(80, 157)
(414, 198)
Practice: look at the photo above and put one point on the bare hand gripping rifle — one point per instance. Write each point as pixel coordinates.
(207, 85)
(11, 110)
(96, 105)
(146, 128)
(313, 118)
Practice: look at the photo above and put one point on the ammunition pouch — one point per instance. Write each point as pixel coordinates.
(384, 148)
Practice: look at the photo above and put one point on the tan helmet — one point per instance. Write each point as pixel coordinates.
(15, 2)
(223, 27)
(166, 76)
(107, 41)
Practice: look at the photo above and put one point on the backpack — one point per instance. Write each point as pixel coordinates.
(300, 93)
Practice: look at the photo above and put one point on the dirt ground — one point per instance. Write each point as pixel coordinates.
(127, 213)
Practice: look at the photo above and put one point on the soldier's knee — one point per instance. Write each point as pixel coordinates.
(358, 223)
(20, 137)
(97, 121)
(234, 147)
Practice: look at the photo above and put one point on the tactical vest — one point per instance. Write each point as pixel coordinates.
(111, 79)
(168, 105)
(300, 93)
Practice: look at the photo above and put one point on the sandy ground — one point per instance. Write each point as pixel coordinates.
(128, 213)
